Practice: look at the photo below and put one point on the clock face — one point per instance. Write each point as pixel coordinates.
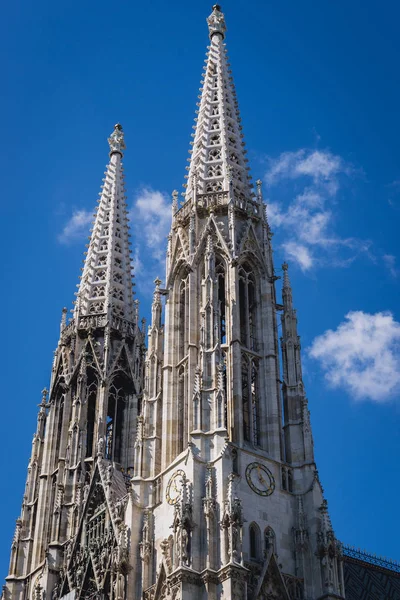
(174, 487)
(260, 479)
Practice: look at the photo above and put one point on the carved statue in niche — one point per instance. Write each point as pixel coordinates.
(56, 591)
(119, 587)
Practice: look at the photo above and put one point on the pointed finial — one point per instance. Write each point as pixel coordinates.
(216, 22)
(63, 323)
(45, 391)
(259, 190)
(116, 140)
(286, 280)
(175, 195)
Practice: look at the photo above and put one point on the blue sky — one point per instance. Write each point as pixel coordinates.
(319, 92)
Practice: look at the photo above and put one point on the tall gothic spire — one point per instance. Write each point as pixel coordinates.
(218, 160)
(106, 282)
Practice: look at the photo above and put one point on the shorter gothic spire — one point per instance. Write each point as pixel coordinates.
(106, 283)
(287, 288)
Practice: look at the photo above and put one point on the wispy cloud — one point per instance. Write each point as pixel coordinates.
(150, 217)
(362, 355)
(308, 218)
(390, 263)
(77, 227)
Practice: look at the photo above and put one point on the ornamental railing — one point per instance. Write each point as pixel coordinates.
(215, 199)
(99, 321)
(372, 559)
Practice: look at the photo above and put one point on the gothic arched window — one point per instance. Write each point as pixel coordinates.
(250, 400)
(59, 408)
(247, 307)
(254, 541)
(118, 398)
(91, 397)
(245, 399)
(220, 273)
(183, 315)
(255, 403)
(182, 409)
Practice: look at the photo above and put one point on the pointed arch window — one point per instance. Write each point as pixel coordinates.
(215, 139)
(245, 399)
(247, 307)
(220, 273)
(214, 96)
(255, 403)
(120, 392)
(182, 409)
(91, 400)
(254, 541)
(251, 400)
(59, 407)
(183, 315)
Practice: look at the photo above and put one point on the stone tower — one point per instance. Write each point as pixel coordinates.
(225, 469)
(87, 421)
(207, 488)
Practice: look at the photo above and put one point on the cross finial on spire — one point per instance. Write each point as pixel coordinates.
(216, 22)
(116, 140)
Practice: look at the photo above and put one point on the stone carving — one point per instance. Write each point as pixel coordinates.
(233, 521)
(183, 525)
(216, 22)
(116, 139)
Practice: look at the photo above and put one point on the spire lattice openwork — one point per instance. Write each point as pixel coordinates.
(106, 282)
(218, 161)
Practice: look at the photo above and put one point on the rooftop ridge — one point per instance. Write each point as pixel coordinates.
(373, 559)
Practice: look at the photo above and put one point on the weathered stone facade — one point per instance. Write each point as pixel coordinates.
(187, 474)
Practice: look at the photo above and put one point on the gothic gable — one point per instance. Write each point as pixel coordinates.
(101, 538)
(120, 361)
(271, 585)
(211, 228)
(250, 244)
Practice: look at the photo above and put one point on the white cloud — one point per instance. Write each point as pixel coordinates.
(390, 263)
(362, 355)
(300, 254)
(308, 218)
(77, 227)
(150, 217)
(320, 165)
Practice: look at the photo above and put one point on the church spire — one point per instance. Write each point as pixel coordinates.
(218, 162)
(106, 282)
